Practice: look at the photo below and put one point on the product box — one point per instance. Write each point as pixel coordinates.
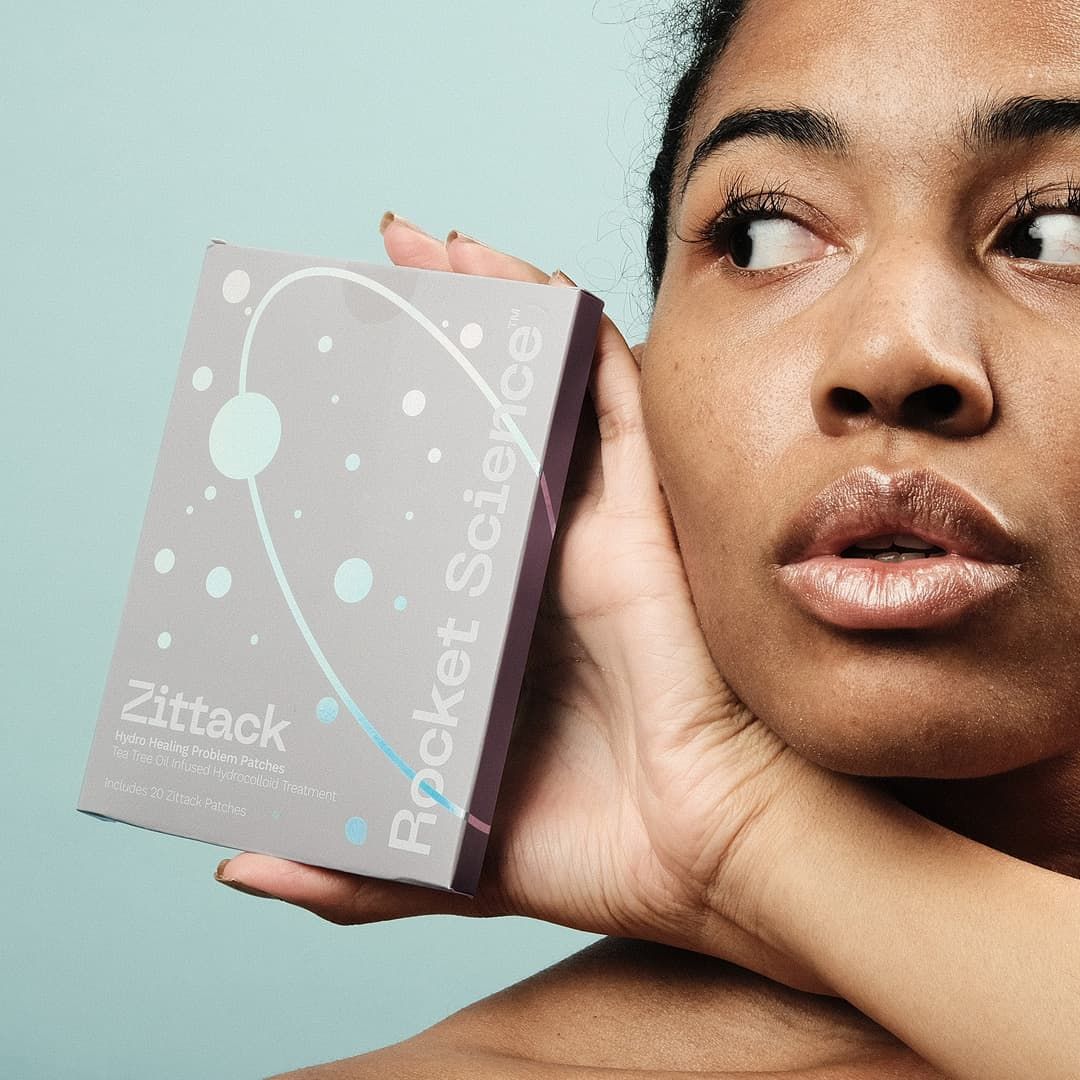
(337, 580)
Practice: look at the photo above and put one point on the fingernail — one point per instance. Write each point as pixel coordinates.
(453, 234)
(390, 216)
(239, 886)
(560, 277)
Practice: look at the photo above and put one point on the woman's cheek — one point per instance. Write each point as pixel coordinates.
(709, 482)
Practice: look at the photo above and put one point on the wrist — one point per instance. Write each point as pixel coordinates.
(921, 929)
(811, 827)
(824, 847)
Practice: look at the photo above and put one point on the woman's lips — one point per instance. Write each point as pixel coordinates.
(864, 594)
(979, 555)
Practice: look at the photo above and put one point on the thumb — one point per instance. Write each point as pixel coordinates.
(337, 896)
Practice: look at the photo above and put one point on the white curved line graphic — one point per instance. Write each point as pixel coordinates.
(275, 563)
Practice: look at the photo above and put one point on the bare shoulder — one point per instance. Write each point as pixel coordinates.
(633, 1009)
(406, 1062)
(458, 1063)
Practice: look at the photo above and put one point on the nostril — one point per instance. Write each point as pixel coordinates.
(931, 405)
(848, 401)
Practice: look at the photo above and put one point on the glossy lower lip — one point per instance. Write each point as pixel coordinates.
(863, 594)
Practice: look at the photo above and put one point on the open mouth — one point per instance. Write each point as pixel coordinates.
(853, 556)
(892, 548)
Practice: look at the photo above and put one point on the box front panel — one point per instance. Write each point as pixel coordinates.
(318, 607)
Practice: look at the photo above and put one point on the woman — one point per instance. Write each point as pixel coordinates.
(802, 693)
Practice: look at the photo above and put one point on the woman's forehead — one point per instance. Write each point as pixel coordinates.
(893, 74)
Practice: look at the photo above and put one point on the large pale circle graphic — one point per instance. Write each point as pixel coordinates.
(353, 579)
(244, 436)
(236, 286)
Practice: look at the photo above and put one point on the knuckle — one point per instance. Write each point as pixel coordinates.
(620, 420)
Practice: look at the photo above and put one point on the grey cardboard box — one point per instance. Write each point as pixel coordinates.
(337, 580)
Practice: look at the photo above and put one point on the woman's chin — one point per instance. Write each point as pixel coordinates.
(888, 758)
(942, 706)
(943, 735)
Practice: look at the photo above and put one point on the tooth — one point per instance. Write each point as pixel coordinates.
(875, 543)
(906, 555)
(888, 556)
(905, 540)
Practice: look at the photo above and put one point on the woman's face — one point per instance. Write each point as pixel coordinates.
(909, 301)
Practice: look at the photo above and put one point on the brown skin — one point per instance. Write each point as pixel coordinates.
(902, 284)
(647, 1012)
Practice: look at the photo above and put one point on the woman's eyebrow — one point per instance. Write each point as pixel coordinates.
(799, 126)
(1018, 118)
(986, 126)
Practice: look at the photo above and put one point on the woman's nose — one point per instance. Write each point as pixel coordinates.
(904, 350)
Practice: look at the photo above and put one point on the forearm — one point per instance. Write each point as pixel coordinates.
(970, 956)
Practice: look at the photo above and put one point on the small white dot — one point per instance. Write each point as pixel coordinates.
(352, 462)
(334, 399)
(297, 513)
(434, 454)
(445, 323)
(412, 404)
(210, 493)
(247, 311)
(471, 335)
(202, 378)
(190, 510)
(164, 640)
(408, 515)
(254, 639)
(164, 560)
(326, 343)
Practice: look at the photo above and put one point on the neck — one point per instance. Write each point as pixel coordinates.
(1031, 813)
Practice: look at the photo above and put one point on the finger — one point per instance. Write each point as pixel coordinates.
(469, 256)
(584, 479)
(408, 245)
(341, 898)
(630, 477)
(631, 483)
(582, 490)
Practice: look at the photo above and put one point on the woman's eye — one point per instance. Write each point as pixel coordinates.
(764, 243)
(1053, 238)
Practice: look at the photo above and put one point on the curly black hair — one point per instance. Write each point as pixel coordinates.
(701, 32)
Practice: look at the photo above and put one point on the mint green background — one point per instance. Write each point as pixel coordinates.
(129, 135)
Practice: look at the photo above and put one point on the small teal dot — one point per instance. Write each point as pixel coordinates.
(399, 603)
(408, 515)
(352, 462)
(356, 830)
(327, 710)
(297, 513)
